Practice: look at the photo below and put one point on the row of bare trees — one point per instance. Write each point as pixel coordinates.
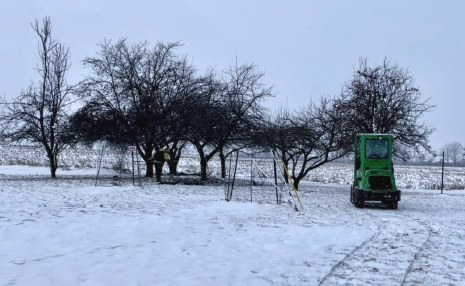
(152, 97)
(453, 152)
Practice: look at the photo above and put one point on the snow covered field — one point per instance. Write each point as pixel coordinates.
(407, 177)
(68, 232)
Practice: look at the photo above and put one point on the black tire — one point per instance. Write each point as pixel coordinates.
(351, 194)
(354, 200)
(392, 205)
(360, 204)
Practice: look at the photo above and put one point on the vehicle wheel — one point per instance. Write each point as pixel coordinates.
(359, 204)
(392, 205)
(351, 194)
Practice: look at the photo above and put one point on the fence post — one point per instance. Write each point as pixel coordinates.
(275, 179)
(251, 179)
(99, 165)
(442, 176)
(234, 176)
(229, 177)
(138, 168)
(133, 174)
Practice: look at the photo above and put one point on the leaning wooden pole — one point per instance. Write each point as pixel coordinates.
(292, 183)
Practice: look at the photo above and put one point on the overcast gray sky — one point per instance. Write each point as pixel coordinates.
(306, 48)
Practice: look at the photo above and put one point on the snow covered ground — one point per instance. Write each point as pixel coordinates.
(68, 232)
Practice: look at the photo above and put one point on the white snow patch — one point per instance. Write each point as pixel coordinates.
(68, 232)
(45, 171)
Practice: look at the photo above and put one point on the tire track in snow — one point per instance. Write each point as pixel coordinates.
(385, 258)
(339, 264)
(434, 264)
(416, 266)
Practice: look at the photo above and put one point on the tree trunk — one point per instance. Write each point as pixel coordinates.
(149, 170)
(203, 162)
(223, 164)
(147, 154)
(296, 183)
(175, 152)
(285, 167)
(53, 171)
(173, 165)
(203, 169)
(53, 165)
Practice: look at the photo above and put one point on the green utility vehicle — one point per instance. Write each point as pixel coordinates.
(374, 171)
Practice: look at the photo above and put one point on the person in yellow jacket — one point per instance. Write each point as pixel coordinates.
(159, 159)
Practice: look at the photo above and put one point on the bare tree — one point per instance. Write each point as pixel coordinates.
(39, 114)
(308, 139)
(204, 118)
(96, 122)
(324, 137)
(226, 107)
(142, 87)
(453, 152)
(242, 138)
(463, 153)
(179, 98)
(280, 134)
(244, 92)
(385, 99)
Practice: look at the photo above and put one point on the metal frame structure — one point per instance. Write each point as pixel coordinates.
(259, 178)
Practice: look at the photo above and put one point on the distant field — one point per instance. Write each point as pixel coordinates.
(407, 177)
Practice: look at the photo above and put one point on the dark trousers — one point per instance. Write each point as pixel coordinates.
(158, 169)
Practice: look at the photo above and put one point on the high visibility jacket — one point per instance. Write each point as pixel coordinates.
(159, 157)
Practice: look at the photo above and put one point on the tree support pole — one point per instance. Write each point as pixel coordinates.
(292, 183)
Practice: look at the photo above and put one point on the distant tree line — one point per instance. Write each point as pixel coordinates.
(453, 153)
(152, 97)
